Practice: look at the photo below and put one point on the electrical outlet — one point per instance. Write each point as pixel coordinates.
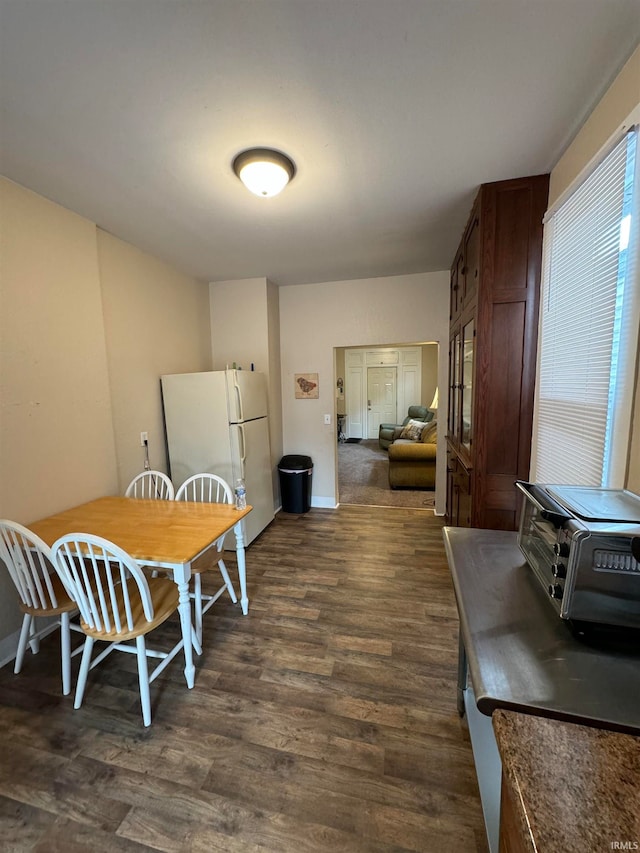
(144, 439)
(327, 420)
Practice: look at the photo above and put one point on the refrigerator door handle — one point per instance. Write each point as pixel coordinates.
(243, 449)
(239, 398)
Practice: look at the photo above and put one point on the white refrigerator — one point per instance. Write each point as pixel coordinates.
(217, 422)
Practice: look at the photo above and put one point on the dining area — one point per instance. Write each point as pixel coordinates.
(326, 718)
(117, 567)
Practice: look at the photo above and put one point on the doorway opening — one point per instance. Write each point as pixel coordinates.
(377, 385)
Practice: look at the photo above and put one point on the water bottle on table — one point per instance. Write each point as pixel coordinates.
(241, 495)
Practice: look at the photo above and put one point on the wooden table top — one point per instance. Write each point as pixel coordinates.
(152, 531)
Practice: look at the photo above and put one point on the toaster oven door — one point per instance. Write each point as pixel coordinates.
(541, 520)
(606, 582)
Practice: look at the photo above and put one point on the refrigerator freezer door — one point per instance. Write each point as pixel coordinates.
(252, 461)
(197, 426)
(246, 395)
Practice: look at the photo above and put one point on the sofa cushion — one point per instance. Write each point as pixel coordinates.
(412, 430)
(412, 451)
(430, 433)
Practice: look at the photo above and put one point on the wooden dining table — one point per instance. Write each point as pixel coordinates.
(160, 534)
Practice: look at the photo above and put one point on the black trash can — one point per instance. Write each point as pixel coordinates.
(295, 474)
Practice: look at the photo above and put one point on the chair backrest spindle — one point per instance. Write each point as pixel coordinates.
(205, 488)
(98, 575)
(29, 562)
(152, 485)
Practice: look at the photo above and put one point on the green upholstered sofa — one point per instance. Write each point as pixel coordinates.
(387, 432)
(412, 464)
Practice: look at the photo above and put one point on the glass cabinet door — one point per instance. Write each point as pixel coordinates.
(454, 385)
(466, 385)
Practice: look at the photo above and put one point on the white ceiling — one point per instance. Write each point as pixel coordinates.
(131, 111)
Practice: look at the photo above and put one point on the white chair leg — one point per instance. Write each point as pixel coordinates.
(143, 678)
(34, 641)
(65, 653)
(197, 587)
(22, 642)
(84, 671)
(227, 580)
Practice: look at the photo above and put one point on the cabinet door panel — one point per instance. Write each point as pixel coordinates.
(471, 262)
(466, 384)
(457, 272)
(454, 381)
(511, 229)
(451, 470)
(504, 388)
(463, 482)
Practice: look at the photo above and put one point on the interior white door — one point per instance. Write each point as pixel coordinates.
(354, 403)
(381, 398)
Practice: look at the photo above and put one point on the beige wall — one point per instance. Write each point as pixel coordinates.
(56, 435)
(622, 97)
(87, 326)
(156, 321)
(316, 318)
(620, 100)
(245, 329)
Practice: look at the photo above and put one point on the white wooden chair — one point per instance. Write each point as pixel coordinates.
(152, 485)
(207, 488)
(117, 603)
(30, 565)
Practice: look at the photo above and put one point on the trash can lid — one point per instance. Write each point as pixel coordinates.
(296, 462)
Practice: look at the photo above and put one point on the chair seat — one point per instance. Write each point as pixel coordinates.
(164, 597)
(207, 562)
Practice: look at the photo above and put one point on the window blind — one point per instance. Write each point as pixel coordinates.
(588, 328)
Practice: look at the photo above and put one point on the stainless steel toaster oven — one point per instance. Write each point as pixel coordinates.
(583, 544)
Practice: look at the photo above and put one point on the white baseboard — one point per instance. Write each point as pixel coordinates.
(324, 503)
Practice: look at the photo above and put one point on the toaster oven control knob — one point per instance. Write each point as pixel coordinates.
(555, 590)
(561, 549)
(559, 570)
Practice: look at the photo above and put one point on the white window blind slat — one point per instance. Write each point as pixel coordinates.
(585, 331)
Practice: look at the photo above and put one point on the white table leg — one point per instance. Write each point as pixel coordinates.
(181, 577)
(242, 572)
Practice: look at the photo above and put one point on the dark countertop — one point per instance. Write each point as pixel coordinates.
(521, 655)
(576, 788)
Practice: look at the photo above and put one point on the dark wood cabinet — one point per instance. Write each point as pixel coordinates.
(495, 287)
(458, 491)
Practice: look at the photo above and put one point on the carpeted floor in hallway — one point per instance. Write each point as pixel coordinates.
(363, 479)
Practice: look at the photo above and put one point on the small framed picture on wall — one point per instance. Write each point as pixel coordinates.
(306, 386)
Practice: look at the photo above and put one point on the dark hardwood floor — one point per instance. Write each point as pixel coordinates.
(325, 720)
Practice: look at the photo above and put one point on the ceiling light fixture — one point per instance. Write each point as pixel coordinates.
(263, 171)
